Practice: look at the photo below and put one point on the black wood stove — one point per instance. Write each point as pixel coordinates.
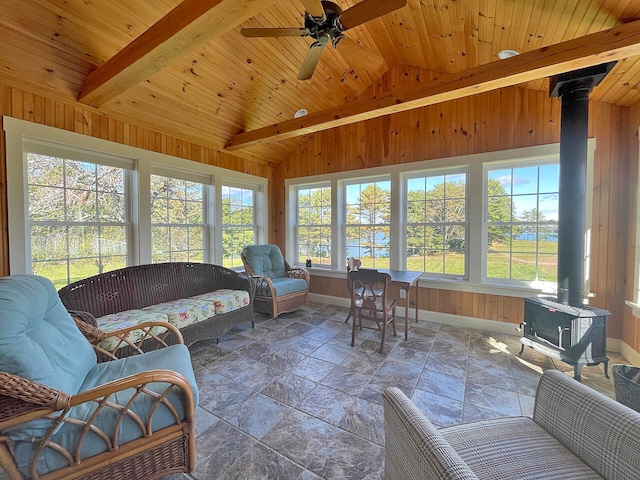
(565, 328)
(574, 335)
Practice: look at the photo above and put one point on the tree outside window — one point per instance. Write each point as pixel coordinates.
(314, 225)
(177, 220)
(77, 218)
(522, 223)
(368, 213)
(238, 223)
(437, 223)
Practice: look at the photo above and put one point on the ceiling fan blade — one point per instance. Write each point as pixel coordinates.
(368, 10)
(314, 8)
(275, 32)
(310, 61)
(358, 54)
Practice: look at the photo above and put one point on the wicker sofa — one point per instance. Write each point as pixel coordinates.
(575, 433)
(203, 300)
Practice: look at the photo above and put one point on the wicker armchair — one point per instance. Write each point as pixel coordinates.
(63, 415)
(279, 287)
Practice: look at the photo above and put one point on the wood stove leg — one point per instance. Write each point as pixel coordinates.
(576, 372)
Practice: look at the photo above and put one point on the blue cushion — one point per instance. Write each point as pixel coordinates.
(38, 338)
(175, 358)
(285, 286)
(265, 260)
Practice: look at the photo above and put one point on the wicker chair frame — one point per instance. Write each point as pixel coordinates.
(140, 286)
(156, 453)
(266, 300)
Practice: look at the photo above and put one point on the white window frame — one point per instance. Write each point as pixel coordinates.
(296, 228)
(259, 210)
(434, 173)
(207, 194)
(552, 159)
(342, 206)
(634, 303)
(475, 207)
(55, 150)
(145, 161)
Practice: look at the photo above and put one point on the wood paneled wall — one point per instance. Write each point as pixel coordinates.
(77, 118)
(504, 119)
(631, 324)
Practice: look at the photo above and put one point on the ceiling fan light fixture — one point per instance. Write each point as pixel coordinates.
(300, 113)
(507, 54)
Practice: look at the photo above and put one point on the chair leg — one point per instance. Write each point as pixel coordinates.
(353, 330)
(350, 315)
(393, 321)
(385, 320)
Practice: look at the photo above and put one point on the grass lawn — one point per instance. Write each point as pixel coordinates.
(521, 267)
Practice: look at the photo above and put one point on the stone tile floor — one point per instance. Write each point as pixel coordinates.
(291, 399)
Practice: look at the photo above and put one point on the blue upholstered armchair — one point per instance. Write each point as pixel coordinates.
(279, 288)
(65, 415)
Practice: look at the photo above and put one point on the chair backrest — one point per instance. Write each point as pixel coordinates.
(264, 260)
(39, 340)
(372, 288)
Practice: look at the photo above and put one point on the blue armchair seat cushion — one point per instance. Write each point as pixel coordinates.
(285, 286)
(175, 358)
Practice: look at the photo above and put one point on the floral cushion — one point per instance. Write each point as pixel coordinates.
(226, 300)
(128, 318)
(184, 312)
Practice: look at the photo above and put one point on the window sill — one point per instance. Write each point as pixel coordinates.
(451, 284)
(635, 308)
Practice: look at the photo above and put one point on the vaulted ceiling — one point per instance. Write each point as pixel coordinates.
(192, 74)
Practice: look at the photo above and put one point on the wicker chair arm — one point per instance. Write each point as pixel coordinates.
(264, 286)
(298, 272)
(28, 392)
(159, 340)
(101, 398)
(138, 381)
(90, 331)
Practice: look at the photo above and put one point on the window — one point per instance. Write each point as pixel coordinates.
(522, 222)
(77, 217)
(436, 214)
(314, 225)
(80, 206)
(238, 220)
(177, 220)
(368, 220)
(476, 223)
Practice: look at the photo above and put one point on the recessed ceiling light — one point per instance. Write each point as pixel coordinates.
(300, 113)
(507, 54)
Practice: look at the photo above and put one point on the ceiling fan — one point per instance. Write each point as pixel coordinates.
(326, 22)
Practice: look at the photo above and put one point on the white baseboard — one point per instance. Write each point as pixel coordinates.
(629, 353)
(613, 344)
(427, 315)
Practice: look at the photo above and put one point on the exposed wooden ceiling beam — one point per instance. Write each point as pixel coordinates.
(191, 23)
(613, 44)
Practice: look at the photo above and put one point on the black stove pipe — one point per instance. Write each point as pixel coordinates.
(574, 133)
(573, 89)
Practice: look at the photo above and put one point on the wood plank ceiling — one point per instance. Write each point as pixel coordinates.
(233, 84)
